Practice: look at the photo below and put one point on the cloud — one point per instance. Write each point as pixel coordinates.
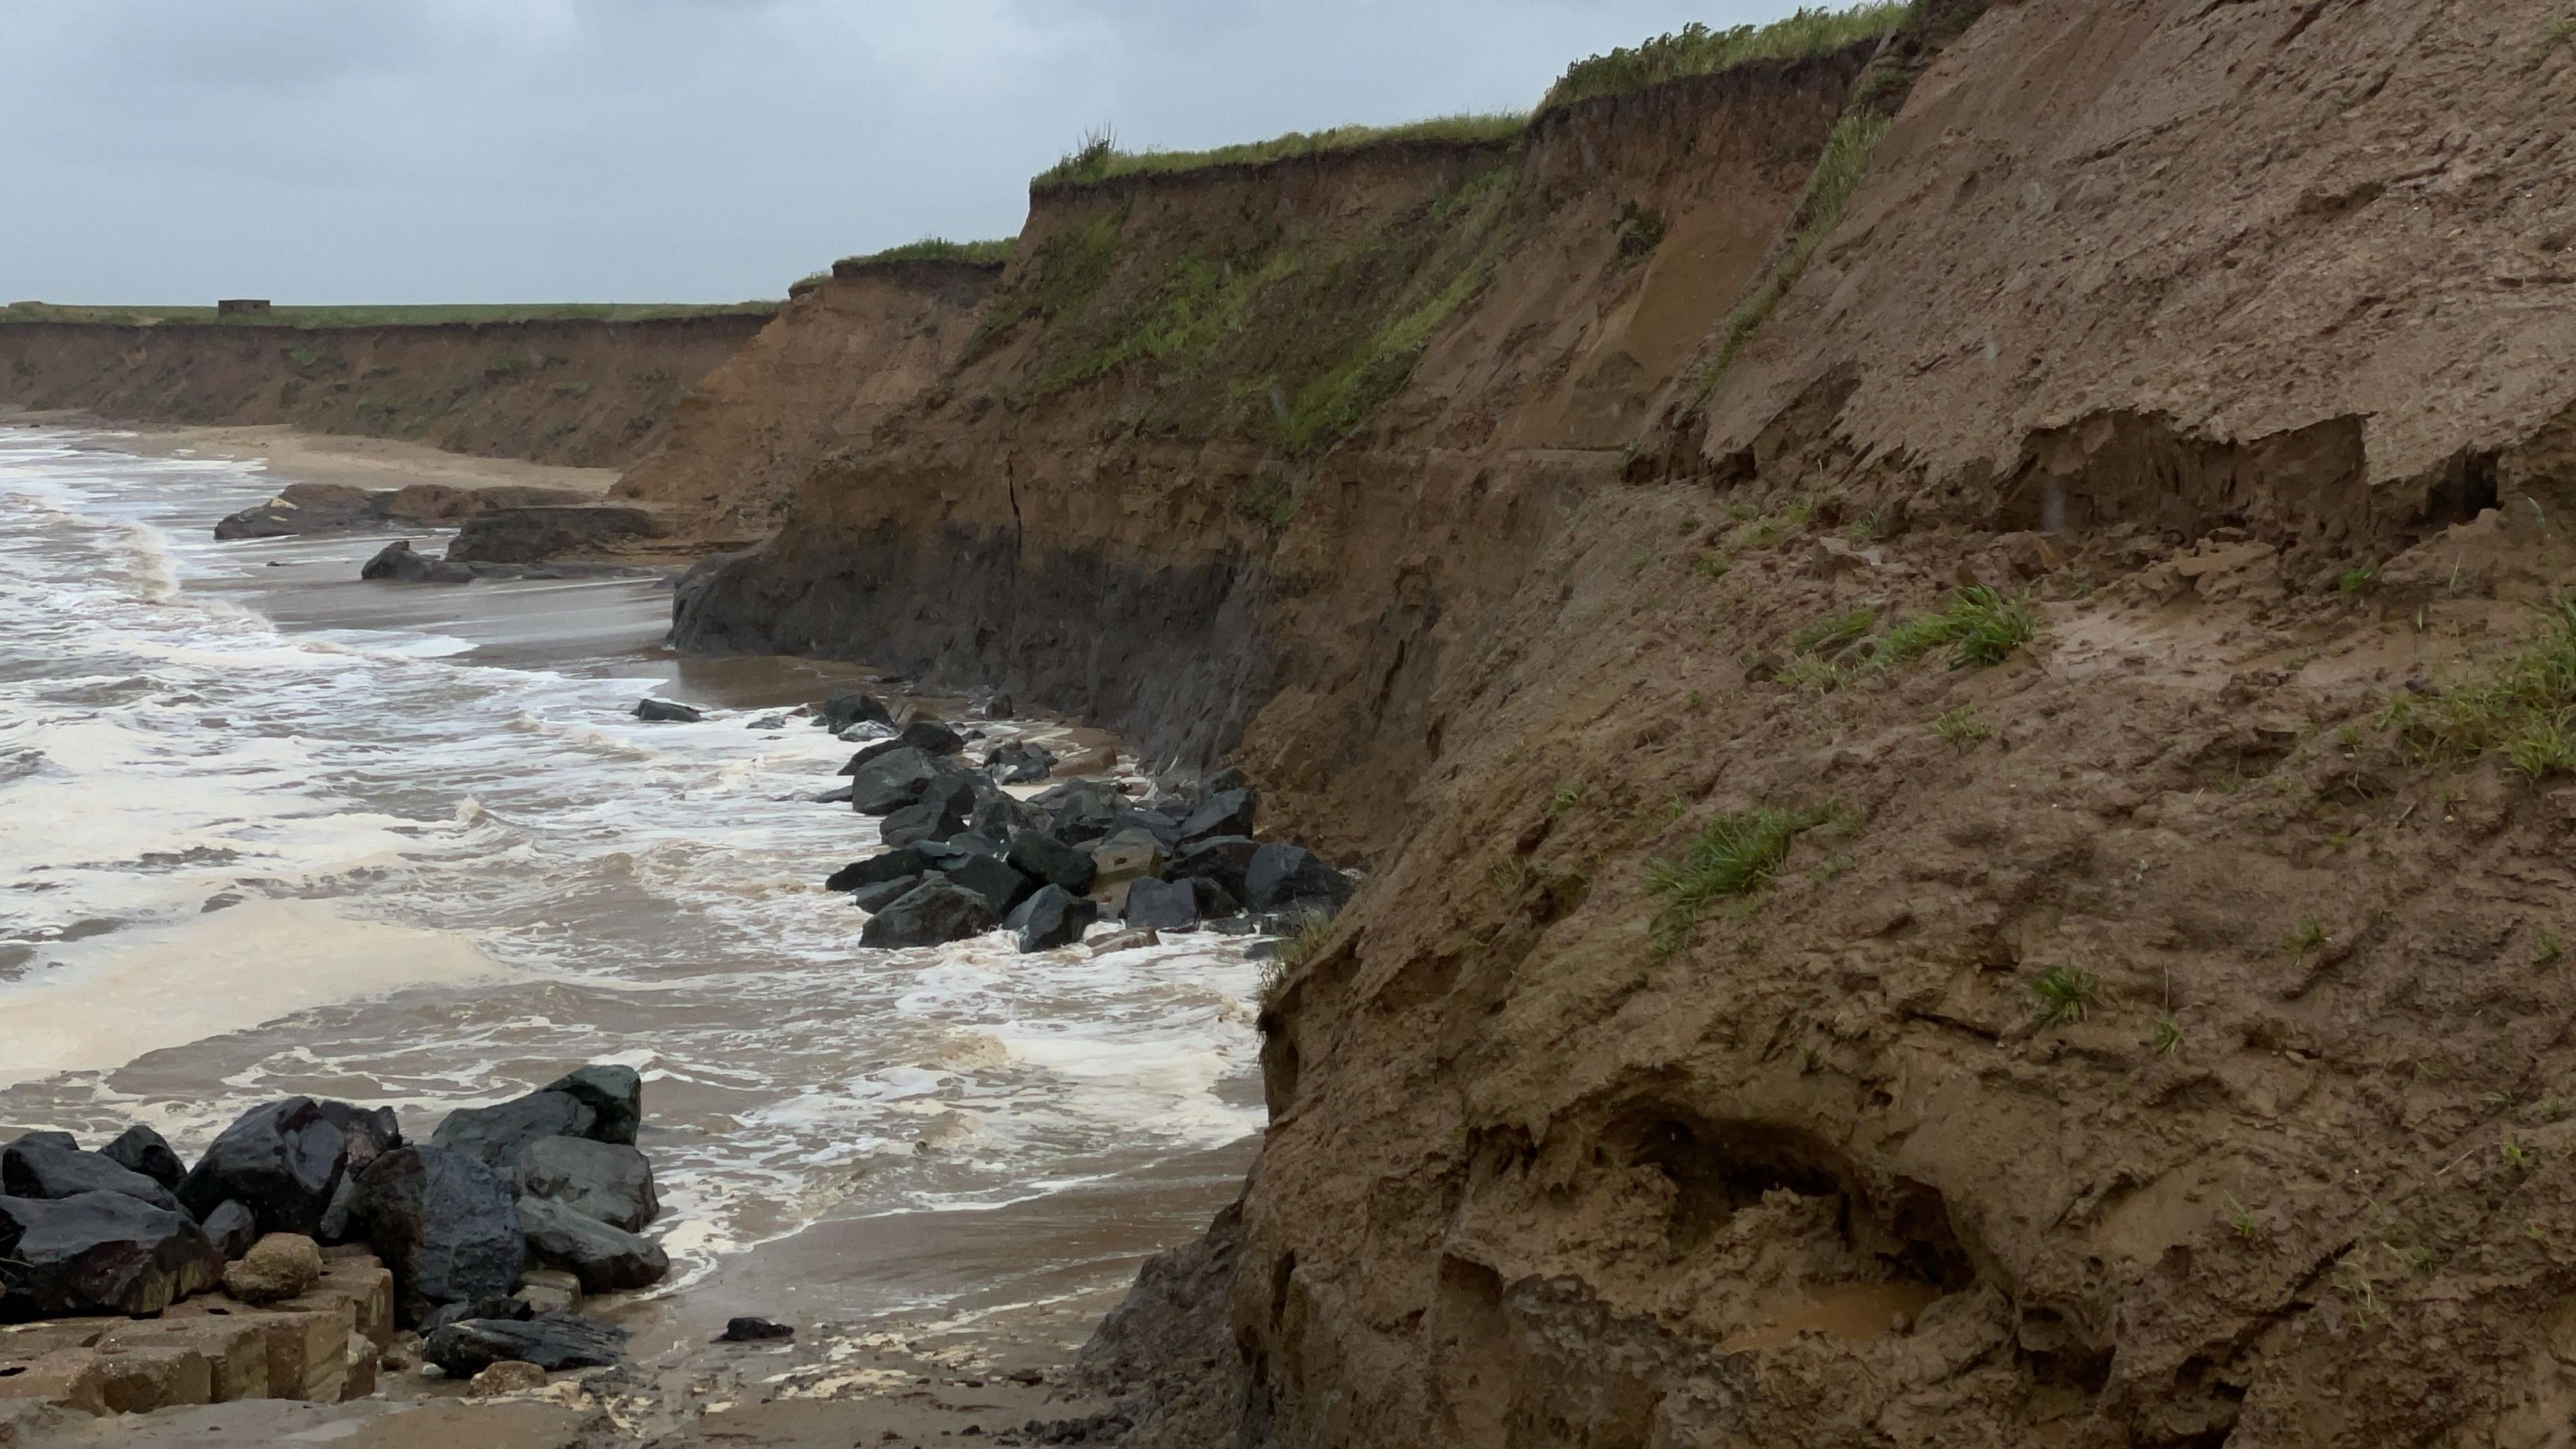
(539, 150)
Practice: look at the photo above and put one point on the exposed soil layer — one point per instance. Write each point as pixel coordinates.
(2153, 1037)
(839, 357)
(577, 393)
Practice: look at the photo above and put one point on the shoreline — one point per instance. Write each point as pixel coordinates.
(1020, 1286)
(296, 455)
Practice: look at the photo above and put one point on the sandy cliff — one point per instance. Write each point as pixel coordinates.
(577, 393)
(1773, 1020)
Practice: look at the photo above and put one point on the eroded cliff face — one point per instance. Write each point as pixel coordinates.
(2152, 1033)
(841, 356)
(579, 393)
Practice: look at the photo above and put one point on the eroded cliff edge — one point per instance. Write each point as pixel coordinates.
(2155, 1031)
(591, 394)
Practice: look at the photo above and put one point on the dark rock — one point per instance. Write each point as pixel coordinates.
(663, 711)
(446, 1225)
(1051, 917)
(398, 563)
(232, 1230)
(504, 1310)
(891, 781)
(1213, 898)
(932, 914)
(140, 1149)
(614, 1094)
(835, 797)
(1223, 780)
(1161, 905)
(1000, 884)
(1043, 857)
(1234, 925)
(1019, 764)
(963, 846)
(1285, 877)
(98, 1252)
(936, 816)
(605, 1258)
(768, 722)
(1165, 831)
(992, 704)
(753, 1330)
(533, 535)
(605, 1180)
(40, 1169)
(931, 737)
(692, 582)
(997, 815)
(495, 1135)
(876, 869)
(551, 1341)
(846, 707)
(49, 1139)
(1082, 809)
(1225, 859)
(340, 1219)
(1220, 813)
(284, 1160)
(306, 508)
(869, 752)
(876, 897)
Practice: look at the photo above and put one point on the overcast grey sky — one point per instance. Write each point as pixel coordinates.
(664, 150)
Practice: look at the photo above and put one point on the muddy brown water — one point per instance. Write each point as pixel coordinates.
(267, 830)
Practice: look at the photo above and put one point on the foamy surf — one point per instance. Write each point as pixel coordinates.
(276, 832)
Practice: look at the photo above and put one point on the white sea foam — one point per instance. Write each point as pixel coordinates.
(441, 880)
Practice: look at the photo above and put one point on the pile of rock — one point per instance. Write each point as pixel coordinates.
(484, 1239)
(966, 857)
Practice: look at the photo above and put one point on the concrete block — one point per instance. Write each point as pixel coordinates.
(236, 1352)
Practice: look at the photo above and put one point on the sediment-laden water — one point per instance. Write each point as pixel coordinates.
(265, 830)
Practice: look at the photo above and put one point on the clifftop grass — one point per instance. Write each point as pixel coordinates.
(1697, 50)
(941, 249)
(1100, 159)
(388, 316)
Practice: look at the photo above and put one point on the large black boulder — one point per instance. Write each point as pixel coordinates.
(40, 1169)
(1220, 812)
(284, 1160)
(1226, 859)
(614, 1094)
(937, 815)
(846, 707)
(1052, 916)
(551, 1341)
(398, 563)
(1215, 901)
(140, 1149)
(892, 780)
(1019, 764)
(1043, 857)
(867, 752)
(1163, 828)
(931, 737)
(1082, 809)
(445, 1224)
(1001, 885)
(997, 815)
(1161, 905)
(663, 711)
(505, 1308)
(875, 898)
(98, 1252)
(495, 1135)
(50, 1139)
(934, 913)
(1290, 877)
(604, 1180)
(876, 870)
(232, 1229)
(605, 1258)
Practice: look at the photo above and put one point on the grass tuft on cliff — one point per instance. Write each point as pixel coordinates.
(1695, 49)
(1981, 627)
(2522, 707)
(1099, 157)
(1732, 856)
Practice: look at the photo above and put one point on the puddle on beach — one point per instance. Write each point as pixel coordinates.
(265, 830)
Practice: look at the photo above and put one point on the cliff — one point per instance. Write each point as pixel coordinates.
(575, 392)
(1796, 1002)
